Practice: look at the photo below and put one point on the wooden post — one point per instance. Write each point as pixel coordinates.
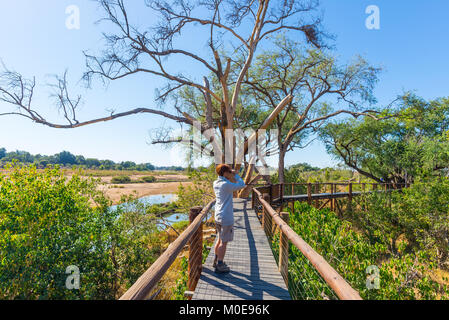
(309, 194)
(292, 207)
(388, 187)
(267, 221)
(281, 192)
(283, 250)
(293, 189)
(266, 197)
(350, 197)
(195, 251)
(332, 198)
(253, 199)
(317, 191)
(363, 187)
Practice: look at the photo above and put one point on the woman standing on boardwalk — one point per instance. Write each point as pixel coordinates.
(228, 181)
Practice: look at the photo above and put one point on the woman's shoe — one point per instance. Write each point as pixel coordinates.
(222, 268)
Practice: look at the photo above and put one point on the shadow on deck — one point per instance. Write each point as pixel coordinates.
(254, 272)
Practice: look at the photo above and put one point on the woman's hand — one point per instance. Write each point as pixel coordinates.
(232, 176)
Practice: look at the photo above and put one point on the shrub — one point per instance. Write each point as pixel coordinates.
(49, 222)
(419, 214)
(148, 179)
(121, 180)
(402, 276)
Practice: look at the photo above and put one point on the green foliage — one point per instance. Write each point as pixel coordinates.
(121, 180)
(305, 167)
(403, 276)
(181, 283)
(400, 148)
(419, 215)
(67, 159)
(200, 192)
(49, 222)
(149, 179)
(135, 241)
(180, 225)
(304, 173)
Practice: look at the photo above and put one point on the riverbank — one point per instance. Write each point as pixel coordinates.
(166, 183)
(140, 190)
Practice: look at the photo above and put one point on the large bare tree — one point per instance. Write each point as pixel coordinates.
(243, 25)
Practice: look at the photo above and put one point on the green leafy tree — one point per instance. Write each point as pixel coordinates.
(66, 158)
(407, 275)
(49, 222)
(417, 214)
(411, 142)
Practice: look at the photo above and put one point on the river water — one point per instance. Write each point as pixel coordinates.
(161, 199)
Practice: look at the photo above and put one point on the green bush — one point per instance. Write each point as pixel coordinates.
(419, 215)
(180, 225)
(148, 179)
(121, 180)
(402, 276)
(49, 222)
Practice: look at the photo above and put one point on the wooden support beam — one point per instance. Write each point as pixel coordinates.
(324, 204)
(283, 250)
(350, 197)
(266, 197)
(332, 198)
(195, 251)
(309, 194)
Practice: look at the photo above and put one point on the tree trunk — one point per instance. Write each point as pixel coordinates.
(281, 165)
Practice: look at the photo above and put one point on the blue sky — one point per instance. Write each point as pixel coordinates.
(412, 46)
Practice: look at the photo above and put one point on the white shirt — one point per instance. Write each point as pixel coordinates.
(224, 207)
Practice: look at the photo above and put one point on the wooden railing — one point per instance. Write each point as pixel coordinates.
(278, 191)
(269, 216)
(330, 192)
(263, 196)
(193, 235)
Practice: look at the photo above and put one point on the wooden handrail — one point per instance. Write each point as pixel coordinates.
(143, 286)
(343, 290)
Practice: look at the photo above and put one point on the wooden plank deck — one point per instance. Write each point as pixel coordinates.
(254, 273)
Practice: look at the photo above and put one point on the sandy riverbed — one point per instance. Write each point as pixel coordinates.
(115, 192)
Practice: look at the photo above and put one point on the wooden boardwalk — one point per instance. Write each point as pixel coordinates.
(254, 272)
